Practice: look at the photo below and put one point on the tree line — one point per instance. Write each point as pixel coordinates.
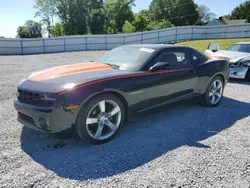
(78, 17)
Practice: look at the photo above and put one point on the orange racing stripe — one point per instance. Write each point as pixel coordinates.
(67, 70)
(120, 77)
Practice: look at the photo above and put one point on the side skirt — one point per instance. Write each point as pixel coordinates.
(168, 102)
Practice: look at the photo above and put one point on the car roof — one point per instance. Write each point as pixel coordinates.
(243, 43)
(156, 46)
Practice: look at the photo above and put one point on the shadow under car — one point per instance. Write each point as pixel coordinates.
(147, 137)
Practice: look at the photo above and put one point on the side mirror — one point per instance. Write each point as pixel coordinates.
(159, 66)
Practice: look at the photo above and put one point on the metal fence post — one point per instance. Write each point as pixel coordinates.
(248, 31)
(43, 45)
(22, 46)
(64, 45)
(226, 32)
(205, 36)
(192, 34)
(141, 38)
(245, 33)
(124, 39)
(106, 43)
(158, 37)
(176, 34)
(86, 45)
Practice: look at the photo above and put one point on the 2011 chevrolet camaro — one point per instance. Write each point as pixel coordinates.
(95, 98)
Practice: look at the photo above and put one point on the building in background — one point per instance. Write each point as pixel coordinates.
(223, 21)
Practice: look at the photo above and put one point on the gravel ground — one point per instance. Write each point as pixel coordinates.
(183, 146)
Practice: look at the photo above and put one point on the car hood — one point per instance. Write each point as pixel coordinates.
(56, 79)
(232, 56)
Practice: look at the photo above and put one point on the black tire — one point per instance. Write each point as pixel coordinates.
(205, 99)
(248, 75)
(81, 126)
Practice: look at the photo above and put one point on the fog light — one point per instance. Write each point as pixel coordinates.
(43, 124)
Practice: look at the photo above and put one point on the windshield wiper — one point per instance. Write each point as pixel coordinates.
(113, 65)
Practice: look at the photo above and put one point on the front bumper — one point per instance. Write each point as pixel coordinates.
(238, 72)
(45, 119)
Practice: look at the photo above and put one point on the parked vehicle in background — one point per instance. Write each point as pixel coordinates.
(238, 55)
(95, 98)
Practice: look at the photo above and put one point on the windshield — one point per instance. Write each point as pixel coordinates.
(127, 57)
(239, 48)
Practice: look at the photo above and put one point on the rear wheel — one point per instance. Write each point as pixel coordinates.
(100, 120)
(214, 92)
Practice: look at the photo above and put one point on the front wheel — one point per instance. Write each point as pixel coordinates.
(100, 119)
(214, 92)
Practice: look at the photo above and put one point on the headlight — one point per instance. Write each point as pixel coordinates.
(23, 80)
(245, 60)
(17, 94)
(225, 58)
(242, 62)
(69, 86)
(220, 58)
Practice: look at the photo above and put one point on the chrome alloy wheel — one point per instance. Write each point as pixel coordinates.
(215, 92)
(103, 120)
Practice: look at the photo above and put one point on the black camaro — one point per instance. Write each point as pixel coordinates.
(95, 98)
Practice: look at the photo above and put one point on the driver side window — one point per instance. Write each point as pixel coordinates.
(176, 58)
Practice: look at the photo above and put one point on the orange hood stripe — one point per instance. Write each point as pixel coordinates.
(67, 70)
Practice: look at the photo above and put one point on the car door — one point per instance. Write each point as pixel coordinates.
(177, 82)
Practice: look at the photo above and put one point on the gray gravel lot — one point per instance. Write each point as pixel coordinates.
(186, 145)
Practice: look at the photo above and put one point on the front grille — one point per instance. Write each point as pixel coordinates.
(26, 118)
(33, 98)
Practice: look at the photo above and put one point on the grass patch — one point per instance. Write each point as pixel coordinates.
(203, 44)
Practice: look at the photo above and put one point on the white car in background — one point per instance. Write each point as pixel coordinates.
(238, 55)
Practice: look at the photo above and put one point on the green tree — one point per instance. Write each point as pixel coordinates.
(46, 10)
(128, 27)
(205, 14)
(163, 24)
(187, 13)
(242, 11)
(141, 20)
(23, 32)
(227, 16)
(31, 29)
(58, 30)
(147, 13)
(92, 5)
(163, 9)
(179, 12)
(73, 15)
(97, 21)
(120, 11)
(111, 27)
